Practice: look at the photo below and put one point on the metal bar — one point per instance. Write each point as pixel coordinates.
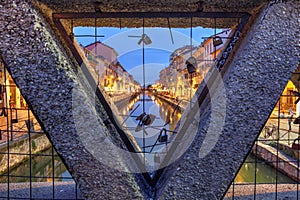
(134, 36)
(30, 155)
(27, 154)
(277, 141)
(88, 36)
(298, 162)
(18, 131)
(84, 15)
(215, 35)
(233, 190)
(155, 145)
(53, 173)
(155, 141)
(144, 88)
(255, 176)
(37, 177)
(143, 58)
(7, 136)
(170, 30)
(11, 124)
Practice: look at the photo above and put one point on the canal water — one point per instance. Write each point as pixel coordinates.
(165, 117)
(41, 170)
(264, 173)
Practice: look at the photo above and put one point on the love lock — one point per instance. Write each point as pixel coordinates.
(191, 64)
(163, 137)
(217, 41)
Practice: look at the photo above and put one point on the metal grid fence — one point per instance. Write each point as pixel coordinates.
(31, 169)
(271, 169)
(29, 166)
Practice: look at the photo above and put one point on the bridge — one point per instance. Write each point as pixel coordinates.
(230, 109)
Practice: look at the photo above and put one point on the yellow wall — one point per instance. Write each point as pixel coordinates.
(287, 100)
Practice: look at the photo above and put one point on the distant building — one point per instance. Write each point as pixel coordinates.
(111, 74)
(175, 78)
(210, 51)
(103, 51)
(10, 96)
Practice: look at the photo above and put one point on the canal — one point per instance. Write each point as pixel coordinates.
(264, 172)
(41, 170)
(165, 118)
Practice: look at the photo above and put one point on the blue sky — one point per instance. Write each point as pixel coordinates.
(157, 54)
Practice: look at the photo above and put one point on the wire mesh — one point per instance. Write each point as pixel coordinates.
(264, 170)
(271, 170)
(275, 148)
(29, 166)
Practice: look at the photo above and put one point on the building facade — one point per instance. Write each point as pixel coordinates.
(176, 80)
(111, 74)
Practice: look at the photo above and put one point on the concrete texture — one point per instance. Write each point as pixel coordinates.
(74, 123)
(263, 192)
(258, 73)
(152, 6)
(46, 78)
(49, 7)
(41, 190)
(66, 190)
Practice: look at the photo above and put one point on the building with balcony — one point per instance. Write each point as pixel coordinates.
(176, 79)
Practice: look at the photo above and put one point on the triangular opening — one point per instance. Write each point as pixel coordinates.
(148, 78)
(27, 157)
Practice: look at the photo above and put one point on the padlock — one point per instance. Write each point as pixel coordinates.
(148, 119)
(163, 137)
(217, 41)
(191, 64)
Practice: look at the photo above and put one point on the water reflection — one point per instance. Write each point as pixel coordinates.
(166, 113)
(264, 173)
(166, 117)
(41, 170)
(42, 165)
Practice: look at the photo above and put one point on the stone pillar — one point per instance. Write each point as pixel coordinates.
(47, 78)
(260, 70)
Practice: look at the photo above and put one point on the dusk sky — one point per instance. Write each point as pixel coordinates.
(157, 54)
